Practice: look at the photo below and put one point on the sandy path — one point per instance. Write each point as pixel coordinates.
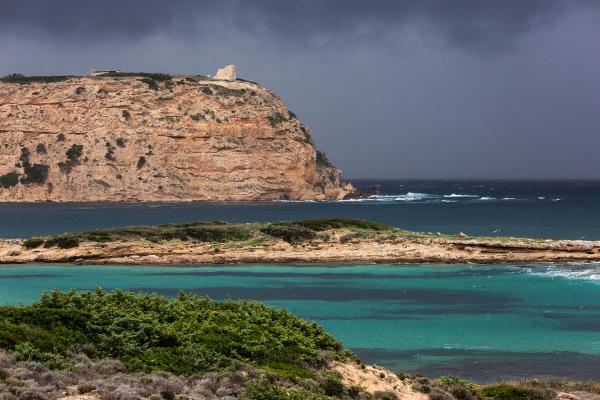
(372, 378)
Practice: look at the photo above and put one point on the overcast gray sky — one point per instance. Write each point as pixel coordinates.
(390, 88)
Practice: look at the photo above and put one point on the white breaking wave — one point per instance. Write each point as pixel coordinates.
(414, 196)
(454, 195)
(580, 271)
(509, 198)
(484, 198)
(541, 197)
(390, 198)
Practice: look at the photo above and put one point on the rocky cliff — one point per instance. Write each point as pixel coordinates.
(155, 137)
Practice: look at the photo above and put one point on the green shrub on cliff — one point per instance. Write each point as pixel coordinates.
(35, 174)
(9, 180)
(73, 155)
(152, 84)
(185, 335)
(40, 148)
(275, 119)
(323, 161)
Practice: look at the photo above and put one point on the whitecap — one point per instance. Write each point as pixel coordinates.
(580, 271)
(454, 195)
(484, 198)
(541, 197)
(410, 196)
(390, 198)
(557, 199)
(509, 198)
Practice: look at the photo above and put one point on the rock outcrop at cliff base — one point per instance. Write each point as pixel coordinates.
(155, 137)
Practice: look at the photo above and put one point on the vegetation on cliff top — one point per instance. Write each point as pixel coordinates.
(157, 76)
(22, 79)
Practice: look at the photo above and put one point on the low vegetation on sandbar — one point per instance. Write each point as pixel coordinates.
(294, 232)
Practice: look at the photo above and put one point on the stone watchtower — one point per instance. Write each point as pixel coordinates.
(227, 73)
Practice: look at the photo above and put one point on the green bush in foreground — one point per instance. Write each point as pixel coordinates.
(186, 335)
(510, 392)
(265, 390)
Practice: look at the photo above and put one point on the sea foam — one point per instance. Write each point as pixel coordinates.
(580, 271)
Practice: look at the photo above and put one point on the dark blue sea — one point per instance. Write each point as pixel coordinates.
(541, 209)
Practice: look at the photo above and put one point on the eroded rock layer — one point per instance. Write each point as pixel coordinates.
(139, 138)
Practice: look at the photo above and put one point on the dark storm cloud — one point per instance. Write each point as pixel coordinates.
(470, 23)
(390, 88)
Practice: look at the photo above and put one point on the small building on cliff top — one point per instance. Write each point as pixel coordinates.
(98, 72)
(227, 73)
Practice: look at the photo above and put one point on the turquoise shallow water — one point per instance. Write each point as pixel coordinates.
(480, 322)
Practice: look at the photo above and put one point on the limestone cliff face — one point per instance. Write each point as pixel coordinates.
(134, 138)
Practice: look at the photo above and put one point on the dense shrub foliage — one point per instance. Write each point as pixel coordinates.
(73, 155)
(64, 242)
(323, 161)
(35, 174)
(338, 223)
(185, 335)
(265, 390)
(511, 392)
(40, 148)
(33, 243)
(141, 162)
(9, 180)
(300, 231)
(276, 119)
(152, 84)
(291, 233)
